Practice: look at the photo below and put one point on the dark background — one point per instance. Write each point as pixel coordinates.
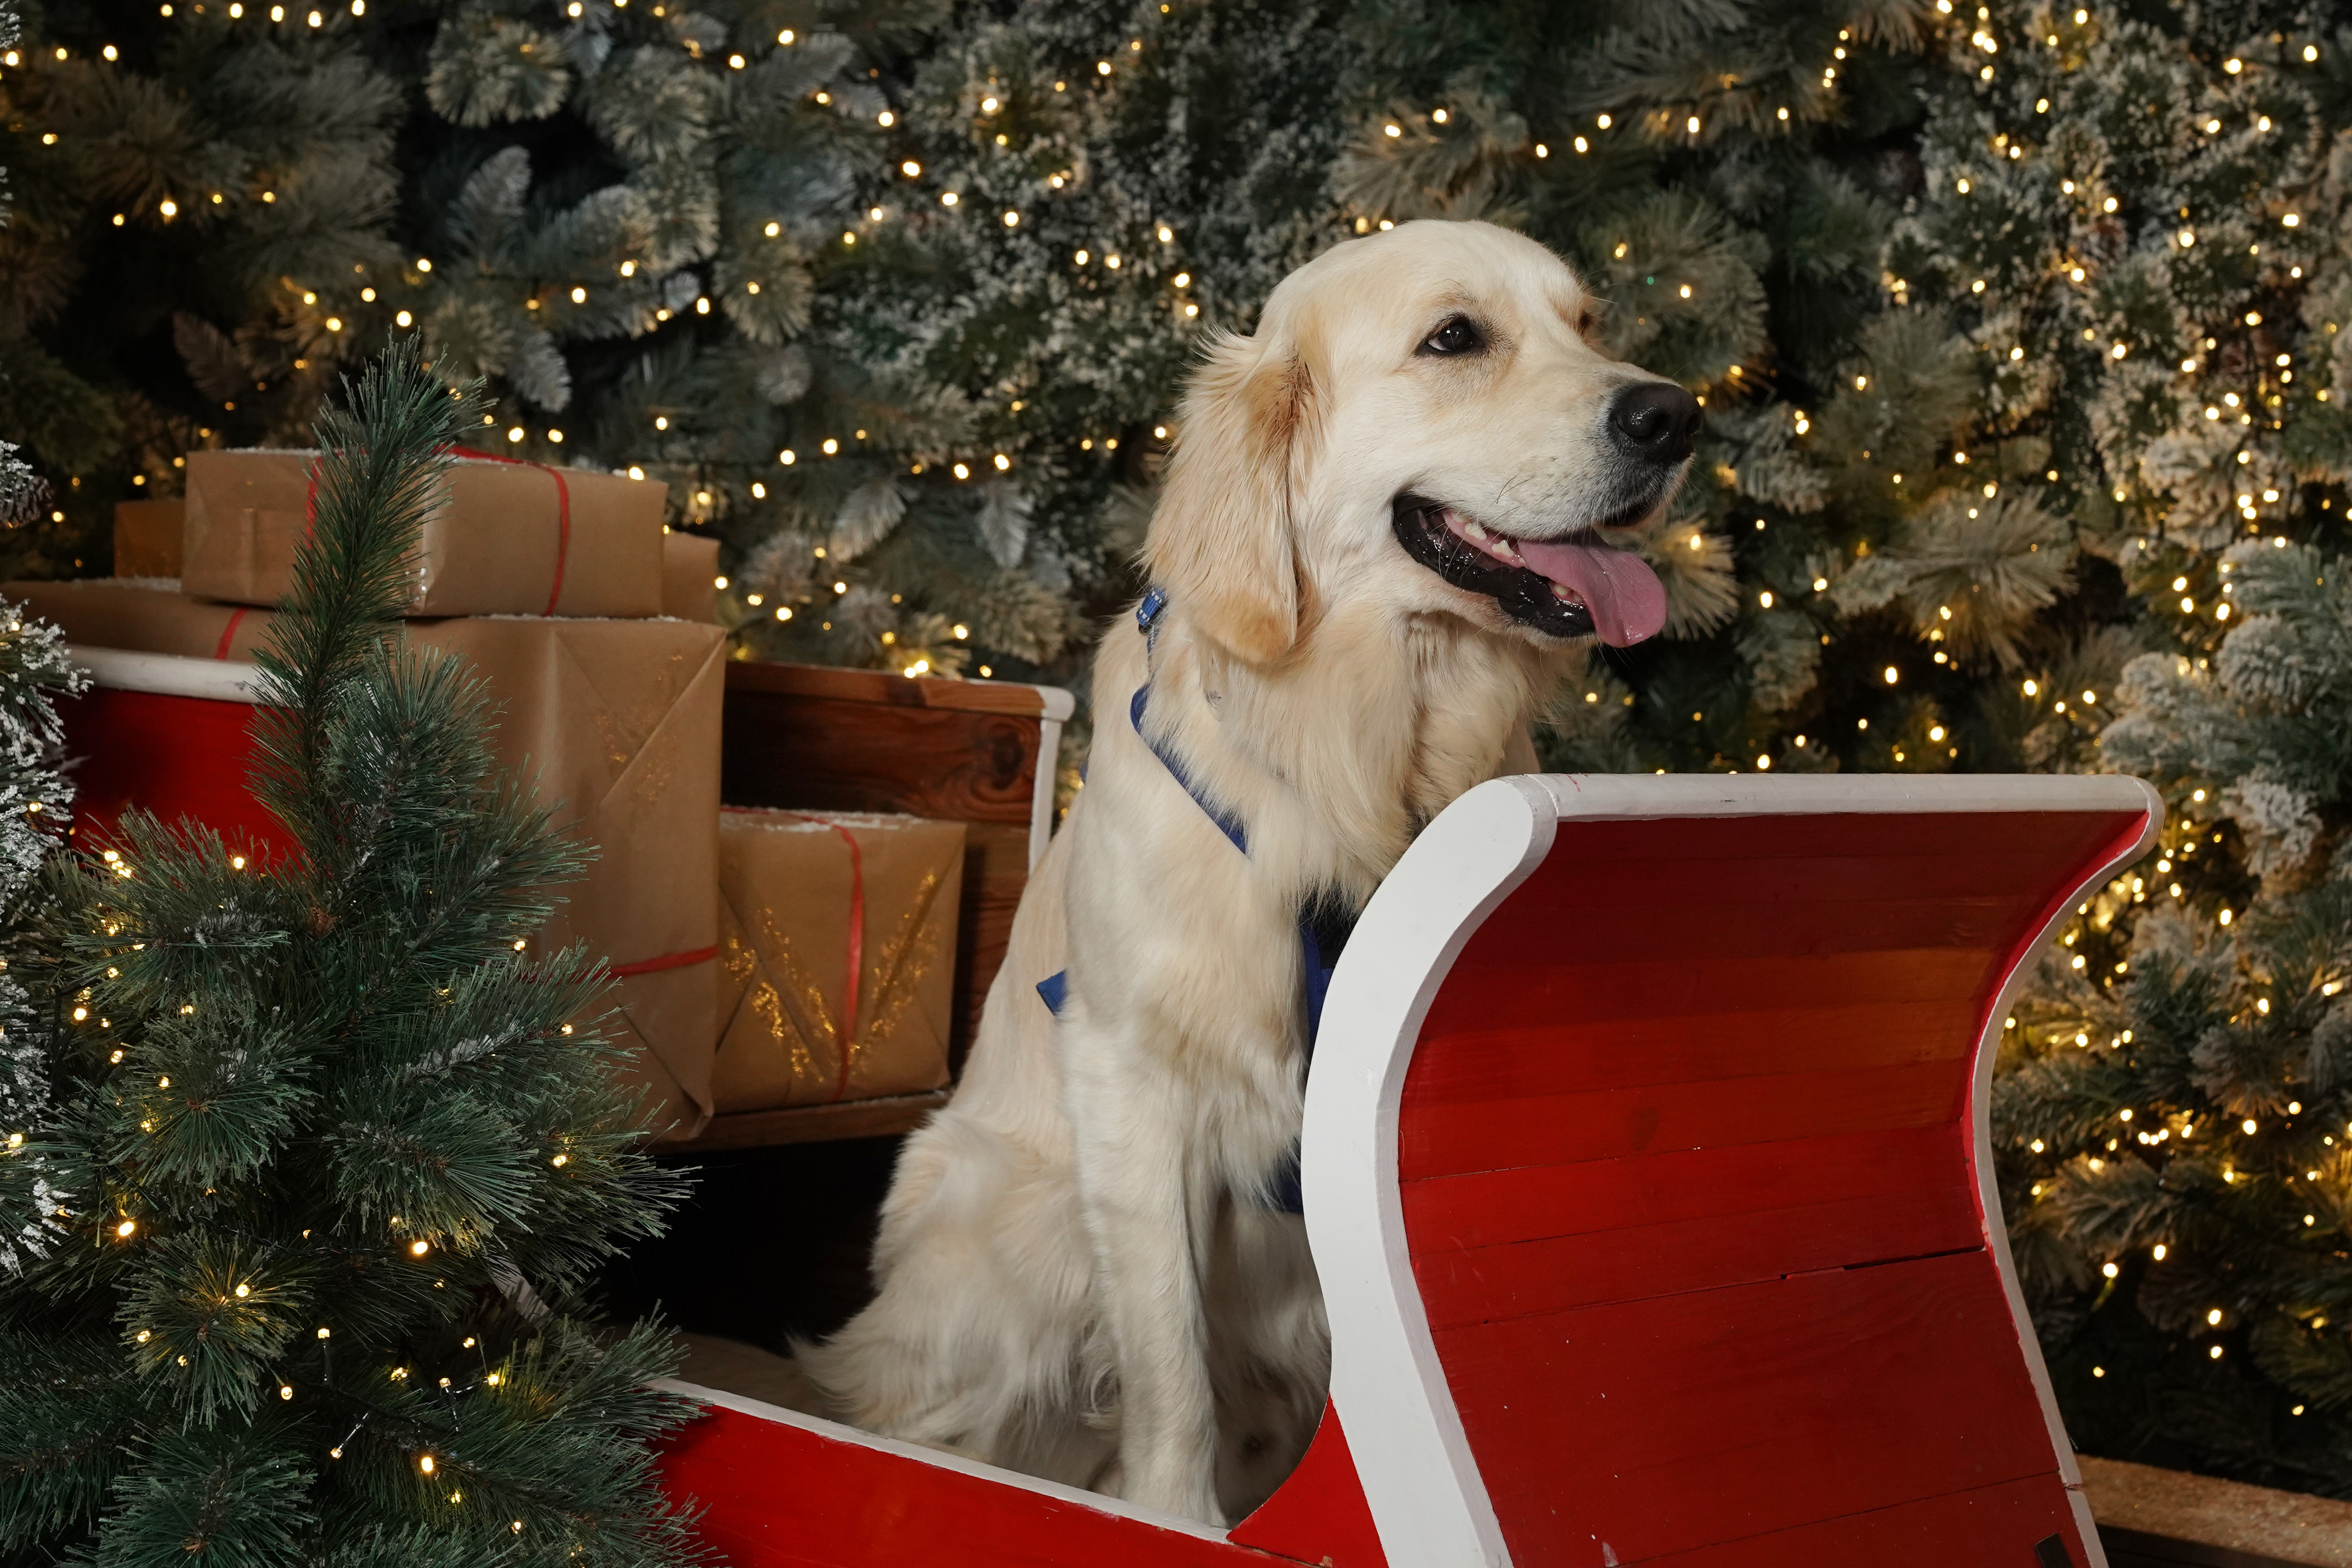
(770, 1243)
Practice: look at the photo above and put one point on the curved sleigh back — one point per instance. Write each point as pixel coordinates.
(1648, 1182)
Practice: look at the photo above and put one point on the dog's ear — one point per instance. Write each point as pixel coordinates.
(1219, 540)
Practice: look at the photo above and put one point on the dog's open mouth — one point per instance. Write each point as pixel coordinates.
(1571, 587)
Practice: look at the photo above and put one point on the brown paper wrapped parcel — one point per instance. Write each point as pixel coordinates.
(147, 538)
(618, 720)
(837, 936)
(689, 577)
(507, 539)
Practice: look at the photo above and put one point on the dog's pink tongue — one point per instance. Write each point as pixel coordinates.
(1627, 601)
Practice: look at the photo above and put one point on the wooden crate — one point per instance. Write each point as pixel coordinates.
(981, 753)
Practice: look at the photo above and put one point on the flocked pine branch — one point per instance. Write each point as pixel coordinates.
(38, 1179)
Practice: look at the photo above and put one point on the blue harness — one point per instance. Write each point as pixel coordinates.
(1323, 927)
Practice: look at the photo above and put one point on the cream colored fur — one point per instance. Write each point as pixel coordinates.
(1075, 1280)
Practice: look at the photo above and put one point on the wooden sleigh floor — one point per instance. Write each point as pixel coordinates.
(1647, 1176)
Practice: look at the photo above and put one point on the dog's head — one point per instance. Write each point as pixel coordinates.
(1421, 417)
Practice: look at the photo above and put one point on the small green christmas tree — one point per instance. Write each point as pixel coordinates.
(331, 1159)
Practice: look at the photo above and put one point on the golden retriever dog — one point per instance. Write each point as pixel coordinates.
(1384, 540)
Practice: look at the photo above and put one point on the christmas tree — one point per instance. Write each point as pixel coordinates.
(619, 217)
(329, 1158)
(2141, 223)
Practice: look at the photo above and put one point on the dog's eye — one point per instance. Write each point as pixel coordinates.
(1586, 320)
(1459, 335)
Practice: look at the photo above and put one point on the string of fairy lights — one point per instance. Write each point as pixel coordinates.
(328, 313)
(249, 1293)
(2278, 372)
(2186, 835)
(1661, 122)
(2178, 844)
(992, 105)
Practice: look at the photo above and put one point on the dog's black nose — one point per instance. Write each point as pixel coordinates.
(1656, 420)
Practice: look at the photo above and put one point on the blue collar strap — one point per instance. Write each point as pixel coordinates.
(1147, 620)
(1323, 927)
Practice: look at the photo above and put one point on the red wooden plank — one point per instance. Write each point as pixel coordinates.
(1488, 1284)
(1562, 1055)
(1667, 1425)
(1494, 1208)
(1320, 1514)
(1988, 1527)
(1747, 928)
(781, 1496)
(1563, 1129)
(1480, 995)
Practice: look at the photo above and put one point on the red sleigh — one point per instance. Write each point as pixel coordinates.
(1647, 1175)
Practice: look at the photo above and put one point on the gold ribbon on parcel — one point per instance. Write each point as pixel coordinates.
(838, 935)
